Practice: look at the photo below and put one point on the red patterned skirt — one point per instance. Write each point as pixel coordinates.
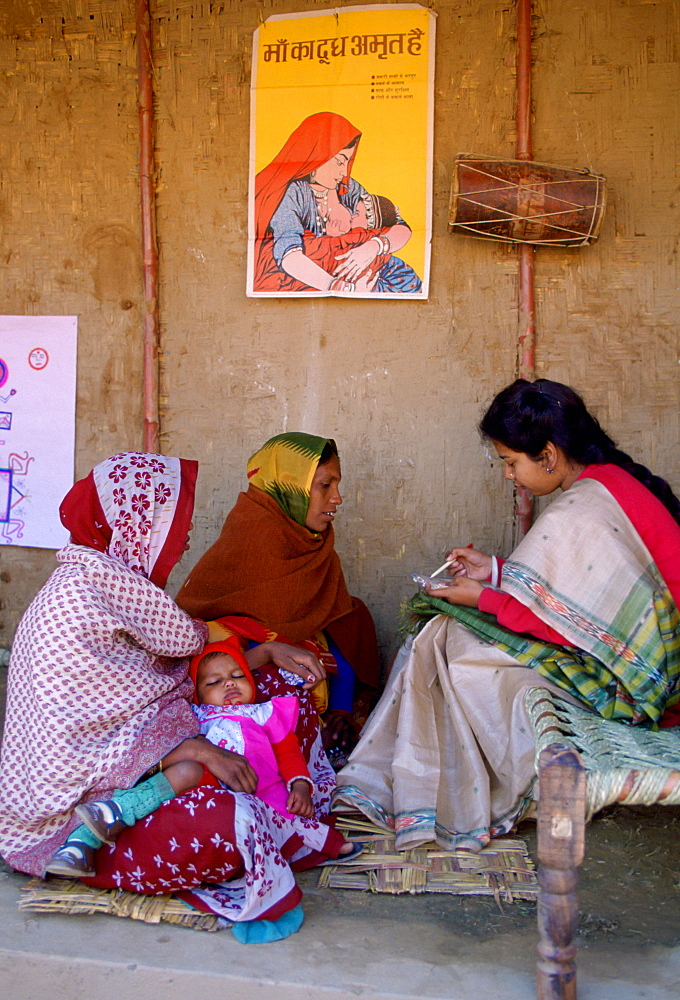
(227, 852)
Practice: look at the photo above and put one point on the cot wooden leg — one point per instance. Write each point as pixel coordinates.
(561, 835)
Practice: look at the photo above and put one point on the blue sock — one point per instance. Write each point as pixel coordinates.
(85, 836)
(140, 800)
(263, 931)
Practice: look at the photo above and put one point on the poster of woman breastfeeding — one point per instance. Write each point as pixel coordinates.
(341, 153)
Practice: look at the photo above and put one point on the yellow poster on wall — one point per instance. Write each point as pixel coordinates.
(341, 153)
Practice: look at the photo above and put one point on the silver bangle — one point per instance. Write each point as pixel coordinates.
(301, 777)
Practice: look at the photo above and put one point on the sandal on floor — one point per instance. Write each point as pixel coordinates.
(342, 859)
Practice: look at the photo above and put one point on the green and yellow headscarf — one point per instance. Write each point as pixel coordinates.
(284, 468)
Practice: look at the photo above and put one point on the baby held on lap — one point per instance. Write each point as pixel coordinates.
(263, 734)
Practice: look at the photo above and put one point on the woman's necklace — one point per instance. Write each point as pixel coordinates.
(321, 202)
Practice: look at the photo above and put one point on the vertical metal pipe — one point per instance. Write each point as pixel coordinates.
(148, 206)
(524, 148)
(526, 345)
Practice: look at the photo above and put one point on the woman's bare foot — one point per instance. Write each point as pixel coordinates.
(346, 848)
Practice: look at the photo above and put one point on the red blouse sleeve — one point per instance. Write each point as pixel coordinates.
(289, 758)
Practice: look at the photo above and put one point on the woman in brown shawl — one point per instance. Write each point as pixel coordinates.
(274, 571)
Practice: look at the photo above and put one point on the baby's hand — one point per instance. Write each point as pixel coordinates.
(300, 800)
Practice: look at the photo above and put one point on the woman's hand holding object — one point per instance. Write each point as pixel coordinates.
(471, 563)
(463, 591)
(233, 770)
(355, 261)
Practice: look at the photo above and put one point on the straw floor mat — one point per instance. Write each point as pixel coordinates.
(68, 896)
(503, 869)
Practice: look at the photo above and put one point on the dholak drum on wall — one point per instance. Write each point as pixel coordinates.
(521, 201)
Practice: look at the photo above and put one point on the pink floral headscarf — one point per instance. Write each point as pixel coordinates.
(136, 508)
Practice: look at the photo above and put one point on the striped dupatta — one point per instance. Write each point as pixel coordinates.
(584, 570)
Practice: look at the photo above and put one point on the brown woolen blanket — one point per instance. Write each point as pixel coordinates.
(266, 566)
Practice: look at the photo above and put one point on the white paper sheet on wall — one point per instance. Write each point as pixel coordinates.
(38, 357)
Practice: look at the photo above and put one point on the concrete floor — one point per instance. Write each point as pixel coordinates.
(354, 944)
(351, 945)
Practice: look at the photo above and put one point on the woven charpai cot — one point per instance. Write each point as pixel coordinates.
(626, 764)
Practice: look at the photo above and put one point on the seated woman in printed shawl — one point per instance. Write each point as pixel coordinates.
(98, 693)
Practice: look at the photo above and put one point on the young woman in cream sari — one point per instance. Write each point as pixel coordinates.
(587, 606)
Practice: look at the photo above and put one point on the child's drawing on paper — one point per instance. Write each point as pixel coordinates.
(13, 490)
(317, 228)
(38, 363)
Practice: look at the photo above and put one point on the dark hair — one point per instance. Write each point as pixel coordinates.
(525, 416)
(385, 212)
(350, 145)
(213, 654)
(330, 450)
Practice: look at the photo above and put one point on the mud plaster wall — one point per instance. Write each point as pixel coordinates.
(400, 385)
